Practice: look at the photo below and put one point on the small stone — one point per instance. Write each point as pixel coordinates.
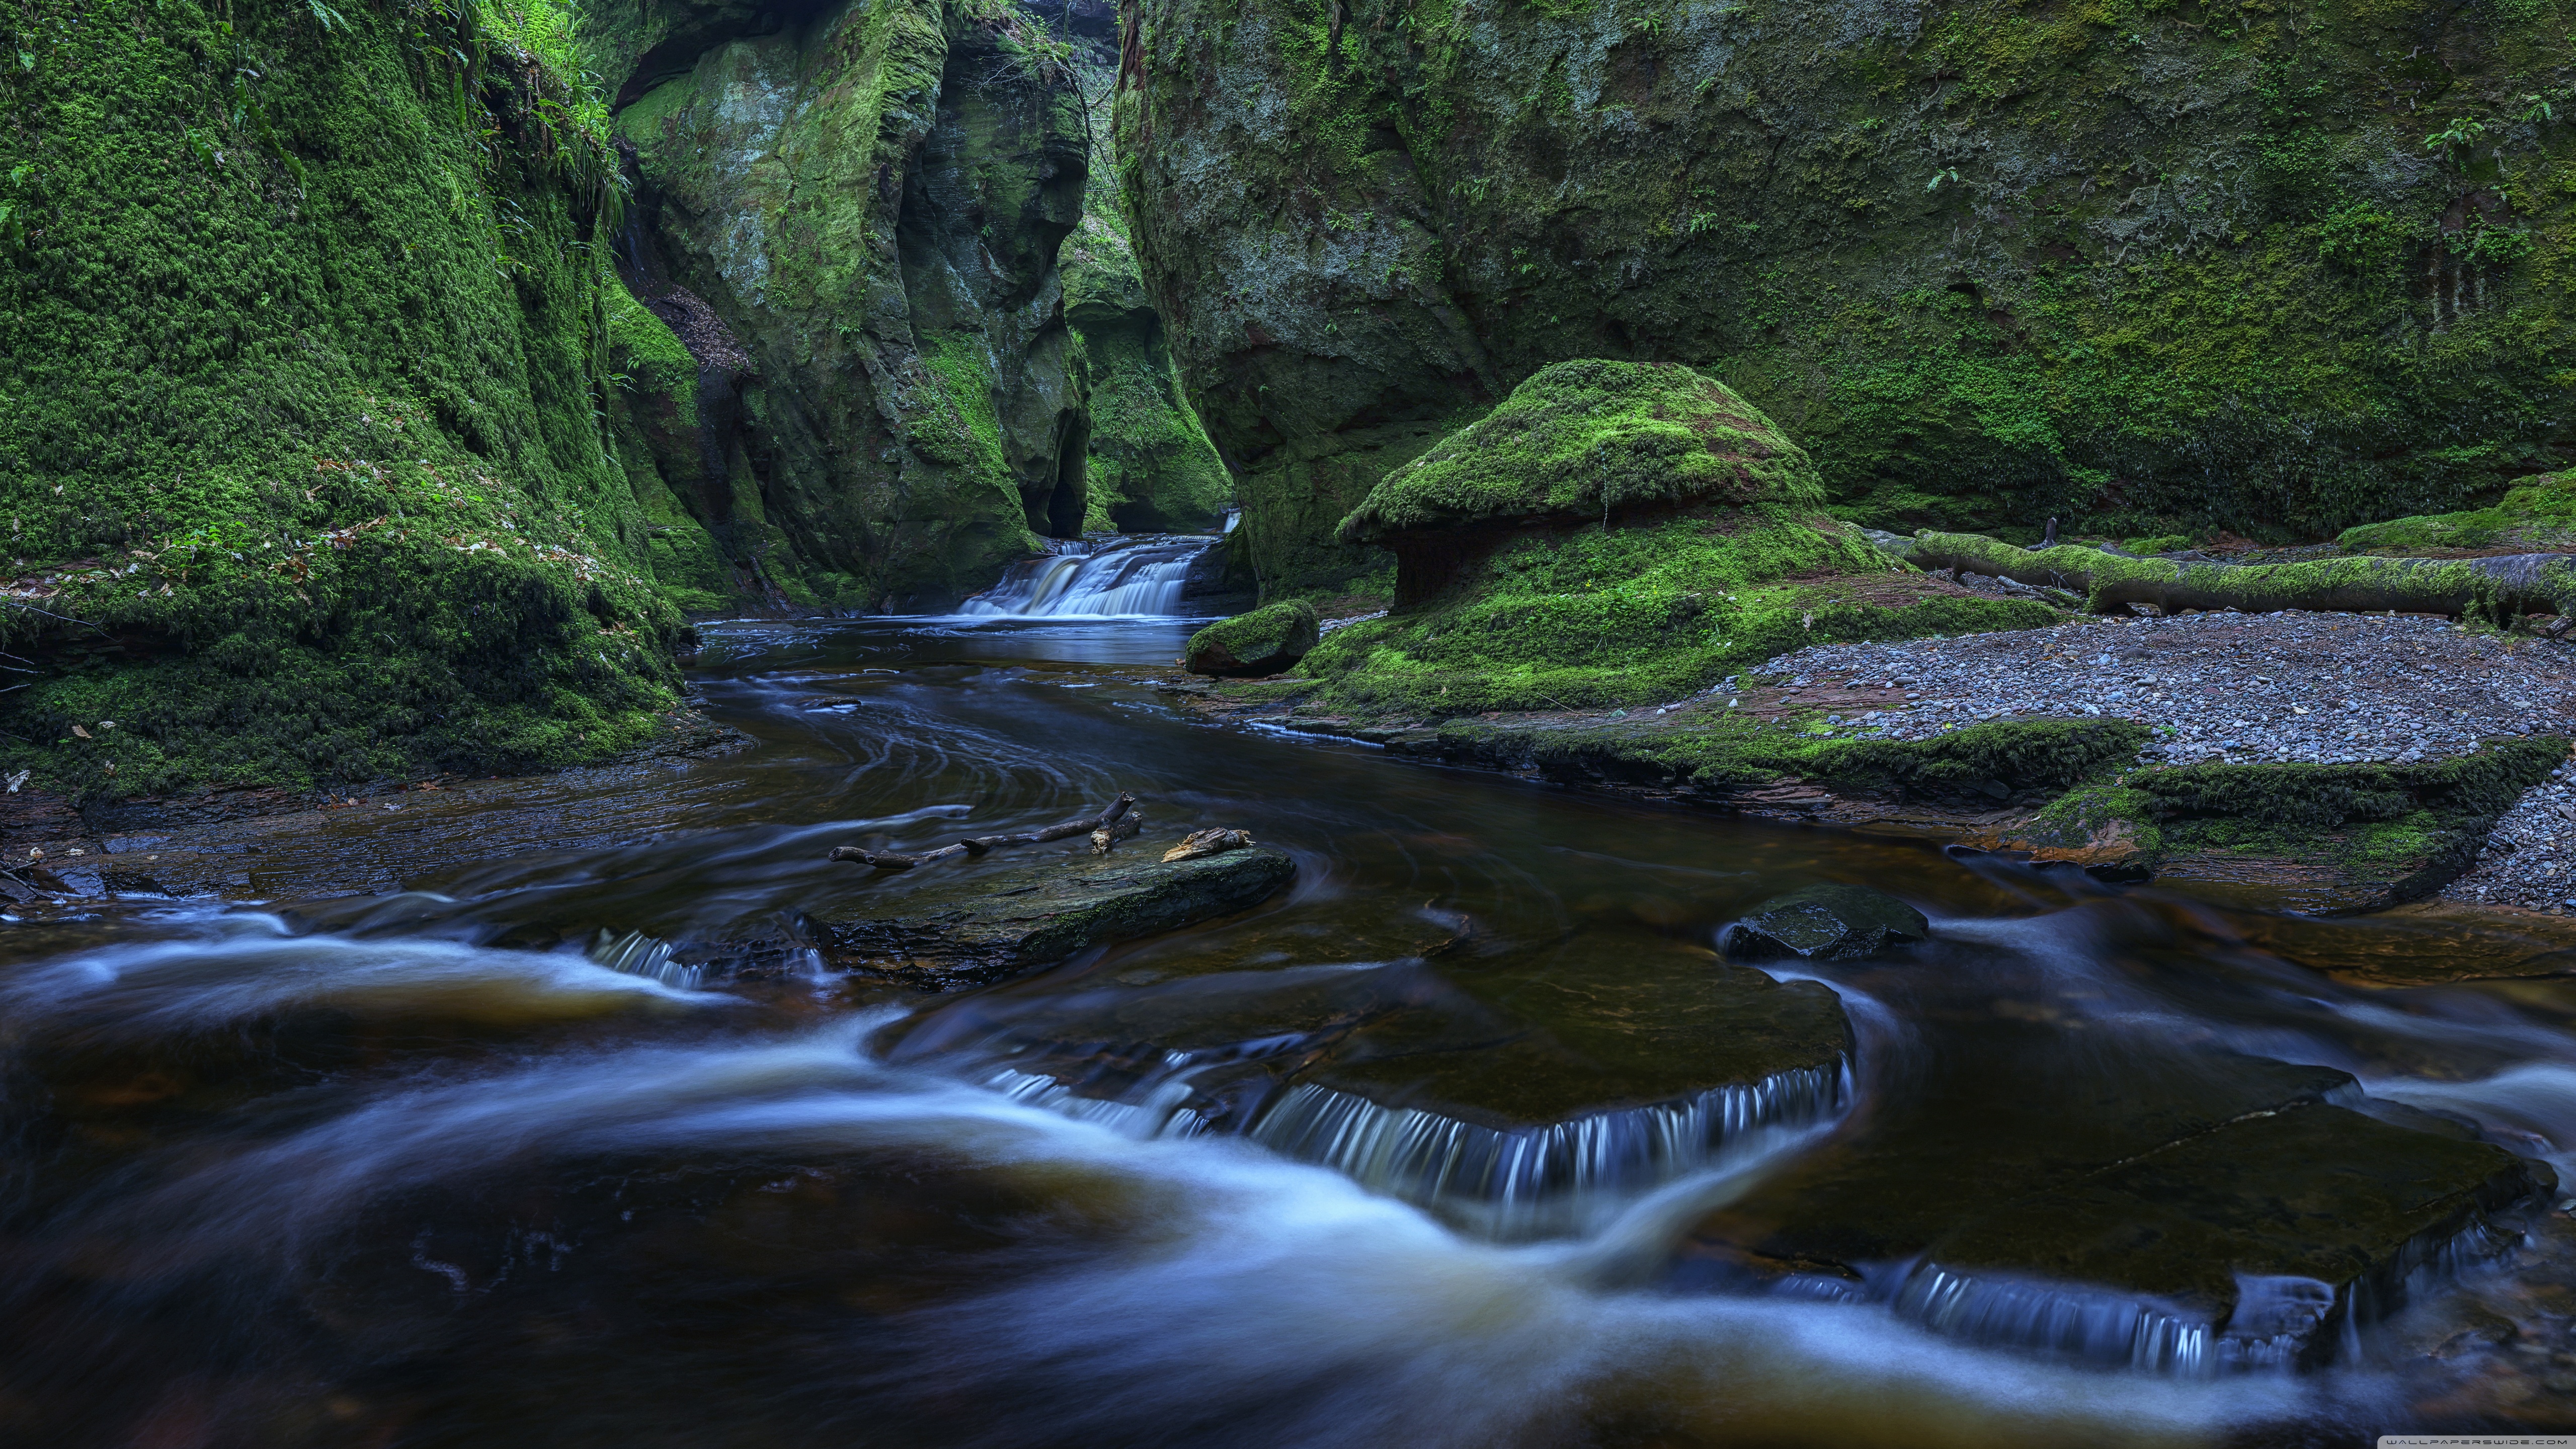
(1825, 922)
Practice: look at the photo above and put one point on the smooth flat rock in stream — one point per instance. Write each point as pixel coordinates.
(1826, 923)
(2221, 1210)
(989, 924)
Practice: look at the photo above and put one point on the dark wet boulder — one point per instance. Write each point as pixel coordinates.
(1826, 923)
(2195, 1210)
(983, 926)
(1249, 646)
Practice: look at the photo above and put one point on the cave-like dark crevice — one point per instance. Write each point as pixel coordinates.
(676, 54)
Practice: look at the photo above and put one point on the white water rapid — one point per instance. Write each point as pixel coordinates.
(1120, 578)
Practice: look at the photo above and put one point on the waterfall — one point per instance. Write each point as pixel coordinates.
(1121, 577)
(1426, 1156)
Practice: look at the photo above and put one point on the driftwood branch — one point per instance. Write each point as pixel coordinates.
(979, 844)
(2497, 589)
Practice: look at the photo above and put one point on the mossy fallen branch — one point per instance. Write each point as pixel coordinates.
(2494, 589)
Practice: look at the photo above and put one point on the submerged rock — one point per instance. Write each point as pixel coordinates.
(1826, 923)
(1503, 1091)
(1263, 642)
(2186, 1212)
(985, 926)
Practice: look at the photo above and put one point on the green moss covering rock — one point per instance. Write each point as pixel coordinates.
(871, 200)
(2145, 268)
(2536, 515)
(1615, 534)
(1584, 440)
(1266, 641)
(303, 361)
(2494, 589)
(1151, 468)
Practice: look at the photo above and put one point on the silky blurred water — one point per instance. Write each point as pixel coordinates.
(426, 1168)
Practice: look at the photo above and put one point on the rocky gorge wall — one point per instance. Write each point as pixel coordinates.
(302, 370)
(2141, 265)
(895, 352)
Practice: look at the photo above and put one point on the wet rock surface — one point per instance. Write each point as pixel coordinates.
(2125, 1224)
(1826, 922)
(991, 924)
(1510, 1084)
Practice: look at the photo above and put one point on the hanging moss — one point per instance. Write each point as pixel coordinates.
(302, 376)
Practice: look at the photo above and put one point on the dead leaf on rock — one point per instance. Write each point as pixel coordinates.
(1208, 842)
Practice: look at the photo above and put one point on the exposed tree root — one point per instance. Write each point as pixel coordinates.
(2495, 589)
(978, 844)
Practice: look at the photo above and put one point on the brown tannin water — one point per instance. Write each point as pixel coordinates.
(577, 1135)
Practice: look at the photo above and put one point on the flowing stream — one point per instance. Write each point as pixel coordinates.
(502, 1155)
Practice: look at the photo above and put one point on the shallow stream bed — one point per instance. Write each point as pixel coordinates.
(1468, 1137)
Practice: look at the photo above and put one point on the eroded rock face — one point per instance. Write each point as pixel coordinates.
(870, 198)
(1366, 221)
(919, 347)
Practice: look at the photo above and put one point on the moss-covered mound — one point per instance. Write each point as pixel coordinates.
(1615, 534)
(1585, 439)
(1249, 646)
(2537, 516)
(302, 369)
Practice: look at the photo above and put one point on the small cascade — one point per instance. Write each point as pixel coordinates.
(636, 954)
(1077, 579)
(1425, 1157)
(2090, 1325)
(1159, 1109)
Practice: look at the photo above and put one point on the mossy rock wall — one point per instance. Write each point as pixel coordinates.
(1151, 468)
(2138, 265)
(303, 361)
(871, 198)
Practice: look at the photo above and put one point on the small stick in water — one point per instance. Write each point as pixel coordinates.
(977, 845)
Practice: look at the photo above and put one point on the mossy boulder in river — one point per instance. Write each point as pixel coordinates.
(1250, 646)
(1615, 534)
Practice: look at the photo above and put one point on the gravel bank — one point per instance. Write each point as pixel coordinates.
(2530, 861)
(2247, 689)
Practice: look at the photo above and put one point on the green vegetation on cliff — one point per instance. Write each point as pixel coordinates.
(1151, 466)
(2537, 515)
(2145, 267)
(302, 371)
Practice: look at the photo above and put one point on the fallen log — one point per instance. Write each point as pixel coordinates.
(2495, 589)
(979, 844)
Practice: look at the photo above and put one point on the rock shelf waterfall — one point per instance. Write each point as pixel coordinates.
(1120, 578)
